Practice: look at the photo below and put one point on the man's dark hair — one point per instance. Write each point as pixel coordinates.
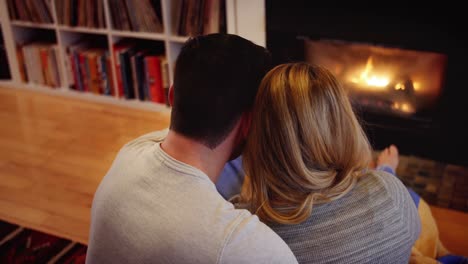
(216, 80)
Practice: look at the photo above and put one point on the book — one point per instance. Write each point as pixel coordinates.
(126, 72)
(154, 78)
(21, 64)
(81, 13)
(200, 17)
(118, 48)
(41, 66)
(38, 11)
(166, 82)
(90, 68)
(136, 15)
(141, 76)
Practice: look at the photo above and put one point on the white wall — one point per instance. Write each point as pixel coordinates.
(249, 20)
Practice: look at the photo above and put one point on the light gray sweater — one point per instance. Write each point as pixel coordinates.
(152, 208)
(377, 222)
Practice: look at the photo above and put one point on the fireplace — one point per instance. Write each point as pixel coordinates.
(387, 81)
(404, 69)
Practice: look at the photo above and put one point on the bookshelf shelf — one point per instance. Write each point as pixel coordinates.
(17, 32)
(39, 87)
(32, 25)
(142, 35)
(179, 39)
(83, 30)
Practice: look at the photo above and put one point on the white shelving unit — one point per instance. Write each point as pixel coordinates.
(244, 17)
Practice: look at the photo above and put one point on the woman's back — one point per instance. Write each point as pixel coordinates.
(306, 159)
(373, 223)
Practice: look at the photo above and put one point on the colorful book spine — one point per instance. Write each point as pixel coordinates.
(154, 79)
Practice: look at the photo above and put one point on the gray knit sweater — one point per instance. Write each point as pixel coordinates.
(377, 222)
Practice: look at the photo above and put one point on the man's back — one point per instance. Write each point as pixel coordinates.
(151, 208)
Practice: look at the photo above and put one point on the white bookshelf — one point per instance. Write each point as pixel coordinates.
(241, 15)
(139, 35)
(64, 28)
(32, 25)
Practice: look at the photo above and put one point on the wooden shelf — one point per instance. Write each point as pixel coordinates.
(28, 24)
(6, 82)
(83, 30)
(143, 35)
(178, 39)
(113, 99)
(34, 86)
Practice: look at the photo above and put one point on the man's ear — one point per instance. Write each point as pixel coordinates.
(171, 95)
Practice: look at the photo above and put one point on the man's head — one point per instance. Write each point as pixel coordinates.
(215, 83)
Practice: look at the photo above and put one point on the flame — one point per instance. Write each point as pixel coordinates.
(371, 80)
(400, 86)
(403, 107)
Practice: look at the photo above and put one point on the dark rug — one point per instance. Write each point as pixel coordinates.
(6, 228)
(22, 245)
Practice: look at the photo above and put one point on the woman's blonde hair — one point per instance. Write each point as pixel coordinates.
(305, 145)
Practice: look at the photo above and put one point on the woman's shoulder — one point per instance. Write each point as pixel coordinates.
(386, 184)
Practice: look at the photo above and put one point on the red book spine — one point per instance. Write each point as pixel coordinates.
(45, 66)
(155, 79)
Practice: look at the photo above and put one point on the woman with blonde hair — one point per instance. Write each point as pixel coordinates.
(306, 163)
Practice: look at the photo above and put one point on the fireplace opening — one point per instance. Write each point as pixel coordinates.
(382, 80)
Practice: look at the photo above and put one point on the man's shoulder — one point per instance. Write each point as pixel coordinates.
(133, 149)
(251, 241)
(149, 138)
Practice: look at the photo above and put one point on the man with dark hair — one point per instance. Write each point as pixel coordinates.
(216, 82)
(158, 202)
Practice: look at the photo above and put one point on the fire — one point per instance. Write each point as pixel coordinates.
(400, 86)
(403, 107)
(369, 79)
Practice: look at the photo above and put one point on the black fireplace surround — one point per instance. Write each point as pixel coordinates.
(439, 133)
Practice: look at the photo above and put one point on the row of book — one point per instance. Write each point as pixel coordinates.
(141, 73)
(81, 13)
(192, 17)
(39, 63)
(136, 15)
(89, 69)
(38, 11)
(200, 17)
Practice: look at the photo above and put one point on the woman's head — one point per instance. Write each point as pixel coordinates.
(305, 145)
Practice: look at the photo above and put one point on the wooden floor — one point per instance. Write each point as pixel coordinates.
(55, 150)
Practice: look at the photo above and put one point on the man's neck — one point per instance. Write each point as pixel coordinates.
(191, 152)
